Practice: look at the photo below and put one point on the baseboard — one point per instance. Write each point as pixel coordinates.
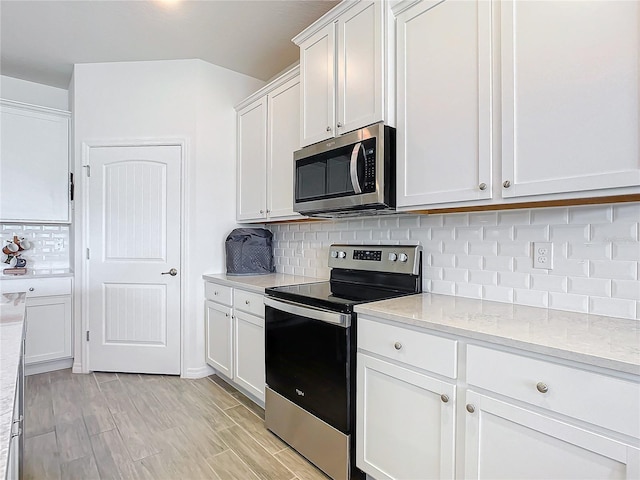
(198, 372)
(45, 367)
(77, 367)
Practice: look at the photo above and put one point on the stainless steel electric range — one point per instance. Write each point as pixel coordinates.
(310, 349)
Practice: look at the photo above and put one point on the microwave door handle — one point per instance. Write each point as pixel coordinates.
(353, 168)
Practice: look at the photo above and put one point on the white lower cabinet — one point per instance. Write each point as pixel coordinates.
(503, 440)
(49, 322)
(406, 423)
(519, 415)
(235, 336)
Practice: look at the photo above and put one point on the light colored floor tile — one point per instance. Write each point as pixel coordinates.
(255, 427)
(228, 466)
(73, 440)
(84, 468)
(43, 457)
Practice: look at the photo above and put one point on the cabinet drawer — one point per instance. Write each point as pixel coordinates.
(249, 302)
(419, 349)
(606, 401)
(38, 287)
(218, 293)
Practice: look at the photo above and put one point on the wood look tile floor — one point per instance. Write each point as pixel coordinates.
(129, 426)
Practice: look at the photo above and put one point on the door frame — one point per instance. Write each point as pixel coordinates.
(80, 229)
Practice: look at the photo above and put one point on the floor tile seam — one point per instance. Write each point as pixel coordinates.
(254, 437)
(223, 390)
(237, 456)
(58, 443)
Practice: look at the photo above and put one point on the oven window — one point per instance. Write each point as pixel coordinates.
(307, 362)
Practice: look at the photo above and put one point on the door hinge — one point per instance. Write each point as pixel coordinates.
(88, 254)
(88, 169)
(72, 187)
(87, 335)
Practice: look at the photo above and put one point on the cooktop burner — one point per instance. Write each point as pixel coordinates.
(360, 274)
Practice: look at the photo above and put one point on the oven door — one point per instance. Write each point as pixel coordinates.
(307, 354)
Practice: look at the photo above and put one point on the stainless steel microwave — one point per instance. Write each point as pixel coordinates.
(351, 175)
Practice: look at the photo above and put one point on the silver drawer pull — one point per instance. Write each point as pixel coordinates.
(215, 293)
(247, 302)
(397, 345)
(31, 289)
(542, 387)
(444, 398)
(470, 408)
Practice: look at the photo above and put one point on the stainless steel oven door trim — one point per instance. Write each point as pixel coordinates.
(353, 167)
(339, 319)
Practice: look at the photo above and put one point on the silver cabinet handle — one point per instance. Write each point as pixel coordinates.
(470, 408)
(261, 211)
(482, 186)
(328, 129)
(31, 289)
(339, 124)
(215, 293)
(397, 345)
(444, 398)
(542, 387)
(226, 315)
(247, 302)
(173, 272)
(506, 184)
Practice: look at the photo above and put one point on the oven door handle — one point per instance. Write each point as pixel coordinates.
(339, 319)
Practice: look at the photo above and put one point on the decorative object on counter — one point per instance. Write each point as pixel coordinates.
(12, 255)
(249, 251)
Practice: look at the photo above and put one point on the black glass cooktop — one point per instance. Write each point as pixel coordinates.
(336, 296)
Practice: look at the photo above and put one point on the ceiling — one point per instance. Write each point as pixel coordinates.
(41, 40)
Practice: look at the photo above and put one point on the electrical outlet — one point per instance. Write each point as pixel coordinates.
(543, 255)
(59, 245)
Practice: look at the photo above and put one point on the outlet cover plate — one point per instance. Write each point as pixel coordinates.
(543, 255)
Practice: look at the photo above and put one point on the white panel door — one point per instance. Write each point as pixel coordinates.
(284, 139)
(360, 77)
(444, 102)
(219, 336)
(249, 353)
(317, 74)
(570, 96)
(507, 442)
(134, 239)
(404, 428)
(252, 161)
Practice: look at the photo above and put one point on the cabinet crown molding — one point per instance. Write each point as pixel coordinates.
(329, 17)
(30, 106)
(282, 79)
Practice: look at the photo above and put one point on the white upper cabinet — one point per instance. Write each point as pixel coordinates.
(345, 67)
(34, 161)
(570, 96)
(268, 134)
(444, 102)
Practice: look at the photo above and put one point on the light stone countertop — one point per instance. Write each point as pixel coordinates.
(38, 273)
(258, 283)
(606, 342)
(12, 310)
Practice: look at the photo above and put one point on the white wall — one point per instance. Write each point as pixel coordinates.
(181, 99)
(488, 255)
(33, 93)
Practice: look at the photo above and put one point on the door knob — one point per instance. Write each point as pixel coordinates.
(173, 272)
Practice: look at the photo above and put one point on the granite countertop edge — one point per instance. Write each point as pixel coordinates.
(517, 327)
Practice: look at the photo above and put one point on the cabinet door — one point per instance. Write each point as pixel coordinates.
(505, 442)
(219, 332)
(249, 353)
(49, 333)
(570, 96)
(360, 59)
(317, 75)
(252, 161)
(404, 428)
(34, 159)
(444, 102)
(284, 139)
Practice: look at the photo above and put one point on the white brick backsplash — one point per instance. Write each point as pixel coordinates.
(532, 298)
(612, 306)
(497, 294)
(550, 216)
(49, 244)
(598, 287)
(482, 254)
(566, 301)
(614, 269)
(628, 289)
(591, 214)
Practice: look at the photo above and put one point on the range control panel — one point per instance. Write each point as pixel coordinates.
(379, 258)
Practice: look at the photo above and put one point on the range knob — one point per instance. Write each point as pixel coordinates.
(403, 257)
(393, 257)
(342, 254)
(334, 254)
